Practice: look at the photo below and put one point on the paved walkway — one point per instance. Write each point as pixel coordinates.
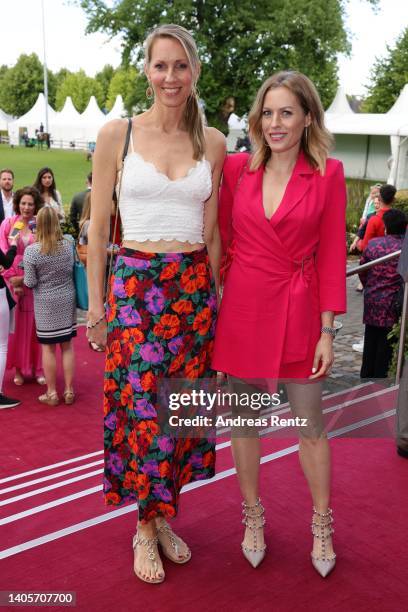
(348, 362)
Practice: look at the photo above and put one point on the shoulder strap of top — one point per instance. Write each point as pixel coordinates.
(132, 149)
(128, 138)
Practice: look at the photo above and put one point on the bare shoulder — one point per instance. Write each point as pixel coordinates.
(215, 144)
(113, 131)
(214, 137)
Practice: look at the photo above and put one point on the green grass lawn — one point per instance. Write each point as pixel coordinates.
(70, 168)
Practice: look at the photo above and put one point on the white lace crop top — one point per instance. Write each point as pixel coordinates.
(154, 207)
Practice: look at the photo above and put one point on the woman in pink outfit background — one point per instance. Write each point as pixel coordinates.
(24, 351)
(283, 209)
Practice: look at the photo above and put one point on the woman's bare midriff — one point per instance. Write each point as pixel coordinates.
(163, 246)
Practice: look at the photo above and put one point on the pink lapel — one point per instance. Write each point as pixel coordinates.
(297, 187)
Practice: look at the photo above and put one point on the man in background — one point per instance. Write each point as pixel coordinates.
(77, 204)
(6, 193)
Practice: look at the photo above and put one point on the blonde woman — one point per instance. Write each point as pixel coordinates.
(48, 270)
(285, 285)
(82, 247)
(162, 301)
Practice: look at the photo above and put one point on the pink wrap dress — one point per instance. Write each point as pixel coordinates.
(285, 270)
(24, 351)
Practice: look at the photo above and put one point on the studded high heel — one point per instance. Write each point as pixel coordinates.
(324, 563)
(151, 547)
(253, 515)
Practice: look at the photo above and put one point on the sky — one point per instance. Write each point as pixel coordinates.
(68, 46)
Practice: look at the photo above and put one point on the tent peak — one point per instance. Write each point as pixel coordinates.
(340, 103)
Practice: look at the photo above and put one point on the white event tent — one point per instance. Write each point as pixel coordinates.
(91, 120)
(68, 128)
(65, 126)
(31, 121)
(371, 145)
(118, 109)
(5, 119)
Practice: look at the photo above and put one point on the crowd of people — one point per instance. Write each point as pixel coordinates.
(36, 279)
(381, 232)
(279, 213)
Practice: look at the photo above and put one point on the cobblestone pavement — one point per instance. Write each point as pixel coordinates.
(346, 368)
(348, 362)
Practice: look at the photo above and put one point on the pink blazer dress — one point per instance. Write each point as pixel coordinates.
(285, 270)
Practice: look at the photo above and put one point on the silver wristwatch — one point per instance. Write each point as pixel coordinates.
(332, 331)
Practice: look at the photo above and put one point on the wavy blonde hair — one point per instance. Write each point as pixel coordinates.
(316, 141)
(192, 115)
(86, 210)
(49, 233)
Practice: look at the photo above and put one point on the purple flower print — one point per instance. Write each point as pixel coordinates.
(154, 300)
(169, 257)
(134, 380)
(152, 352)
(166, 444)
(137, 264)
(119, 288)
(212, 328)
(212, 302)
(151, 468)
(144, 409)
(110, 421)
(115, 464)
(175, 344)
(129, 316)
(160, 491)
(107, 485)
(196, 460)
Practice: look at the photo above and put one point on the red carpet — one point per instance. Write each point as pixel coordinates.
(370, 498)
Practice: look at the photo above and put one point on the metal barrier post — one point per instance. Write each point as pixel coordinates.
(404, 323)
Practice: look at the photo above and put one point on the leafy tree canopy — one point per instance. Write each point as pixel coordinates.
(388, 77)
(104, 77)
(131, 86)
(240, 42)
(21, 84)
(80, 87)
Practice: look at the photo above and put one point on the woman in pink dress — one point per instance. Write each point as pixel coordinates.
(286, 203)
(24, 351)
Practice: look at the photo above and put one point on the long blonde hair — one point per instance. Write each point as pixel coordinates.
(192, 115)
(316, 139)
(86, 210)
(49, 233)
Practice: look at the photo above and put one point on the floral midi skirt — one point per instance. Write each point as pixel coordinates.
(161, 318)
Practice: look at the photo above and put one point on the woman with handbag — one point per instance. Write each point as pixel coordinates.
(24, 353)
(6, 305)
(48, 271)
(284, 208)
(162, 299)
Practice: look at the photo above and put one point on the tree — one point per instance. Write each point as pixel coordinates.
(104, 77)
(388, 77)
(131, 86)
(240, 41)
(80, 87)
(21, 84)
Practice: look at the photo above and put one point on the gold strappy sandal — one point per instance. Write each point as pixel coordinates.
(166, 535)
(152, 553)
